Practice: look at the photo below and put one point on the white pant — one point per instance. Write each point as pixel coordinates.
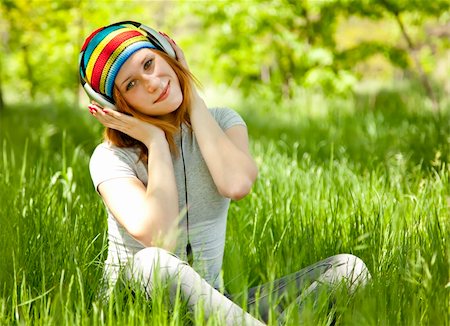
(152, 265)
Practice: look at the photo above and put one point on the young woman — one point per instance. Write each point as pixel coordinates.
(167, 170)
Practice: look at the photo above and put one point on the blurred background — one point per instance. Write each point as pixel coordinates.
(263, 50)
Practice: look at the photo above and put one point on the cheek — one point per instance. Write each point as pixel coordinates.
(177, 90)
(134, 95)
(180, 96)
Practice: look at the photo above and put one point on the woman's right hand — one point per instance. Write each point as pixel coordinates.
(148, 212)
(133, 127)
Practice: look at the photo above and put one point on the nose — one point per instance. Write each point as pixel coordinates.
(152, 83)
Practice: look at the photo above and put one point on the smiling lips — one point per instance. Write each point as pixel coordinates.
(163, 94)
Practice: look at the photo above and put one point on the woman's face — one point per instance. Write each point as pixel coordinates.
(149, 84)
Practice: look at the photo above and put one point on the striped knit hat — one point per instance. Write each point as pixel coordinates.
(105, 51)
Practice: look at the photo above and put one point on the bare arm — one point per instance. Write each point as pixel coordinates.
(226, 153)
(149, 213)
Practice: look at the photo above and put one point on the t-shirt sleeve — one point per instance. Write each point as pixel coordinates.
(108, 162)
(227, 118)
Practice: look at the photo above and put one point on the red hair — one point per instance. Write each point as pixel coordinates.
(181, 115)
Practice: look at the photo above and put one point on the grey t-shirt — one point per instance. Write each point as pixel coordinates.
(207, 208)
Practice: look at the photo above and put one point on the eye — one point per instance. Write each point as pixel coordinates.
(130, 85)
(148, 64)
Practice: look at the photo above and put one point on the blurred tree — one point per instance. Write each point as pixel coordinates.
(43, 39)
(419, 10)
(261, 47)
(2, 101)
(2, 51)
(282, 44)
(40, 46)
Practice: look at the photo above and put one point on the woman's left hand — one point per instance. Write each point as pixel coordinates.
(178, 52)
(226, 153)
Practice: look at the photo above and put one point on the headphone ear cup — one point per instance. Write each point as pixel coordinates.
(93, 95)
(160, 40)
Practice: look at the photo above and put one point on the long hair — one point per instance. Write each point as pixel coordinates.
(170, 128)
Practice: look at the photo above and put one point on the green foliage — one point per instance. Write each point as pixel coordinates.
(259, 47)
(376, 9)
(285, 44)
(365, 50)
(273, 43)
(41, 61)
(41, 51)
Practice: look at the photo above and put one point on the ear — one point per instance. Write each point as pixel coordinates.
(160, 40)
(93, 95)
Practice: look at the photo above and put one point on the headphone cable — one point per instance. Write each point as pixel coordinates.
(189, 253)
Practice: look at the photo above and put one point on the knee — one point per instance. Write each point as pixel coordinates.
(353, 269)
(350, 260)
(152, 260)
(150, 254)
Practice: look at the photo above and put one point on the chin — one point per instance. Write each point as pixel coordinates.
(175, 105)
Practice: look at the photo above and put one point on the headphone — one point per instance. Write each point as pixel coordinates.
(153, 37)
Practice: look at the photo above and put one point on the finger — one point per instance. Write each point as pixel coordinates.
(172, 43)
(171, 40)
(99, 113)
(94, 107)
(93, 103)
(96, 111)
(117, 120)
(112, 113)
(110, 118)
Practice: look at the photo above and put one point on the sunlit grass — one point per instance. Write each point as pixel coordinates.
(367, 179)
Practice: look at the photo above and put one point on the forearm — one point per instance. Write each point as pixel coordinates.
(161, 198)
(232, 169)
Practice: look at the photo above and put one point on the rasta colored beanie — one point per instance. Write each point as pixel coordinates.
(105, 51)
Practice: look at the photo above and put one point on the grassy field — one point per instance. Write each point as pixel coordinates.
(368, 176)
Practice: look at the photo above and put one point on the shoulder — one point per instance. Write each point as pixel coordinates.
(108, 157)
(109, 161)
(106, 150)
(226, 117)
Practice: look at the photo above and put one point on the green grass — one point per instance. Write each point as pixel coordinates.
(368, 176)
